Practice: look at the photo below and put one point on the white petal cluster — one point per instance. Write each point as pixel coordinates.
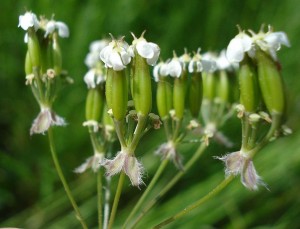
(160, 70)
(205, 63)
(93, 57)
(61, 27)
(269, 42)
(115, 55)
(238, 46)
(94, 77)
(28, 20)
(148, 50)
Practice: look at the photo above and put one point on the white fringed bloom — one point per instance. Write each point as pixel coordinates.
(148, 50)
(127, 163)
(115, 55)
(238, 46)
(44, 120)
(94, 162)
(28, 20)
(239, 163)
(61, 27)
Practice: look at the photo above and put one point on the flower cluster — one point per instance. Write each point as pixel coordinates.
(43, 66)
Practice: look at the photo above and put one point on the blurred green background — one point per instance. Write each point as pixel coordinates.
(30, 193)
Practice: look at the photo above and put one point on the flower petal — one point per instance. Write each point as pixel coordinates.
(134, 170)
(63, 30)
(144, 49)
(235, 51)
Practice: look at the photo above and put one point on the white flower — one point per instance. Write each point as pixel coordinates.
(129, 164)
(44, 120)
(175, 67)
(28, 20)
(93, 162)
(94, 77)
(270, 42)
(239, 163)
(148, 50)
(93, 57)
(205, 63)
(115, 55)
(168, 151)
(238, 46)
(51, 26)
(160, 69)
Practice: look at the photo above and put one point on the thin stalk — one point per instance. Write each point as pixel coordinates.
(116, 200)
(245, 131)
(99, 198)
(197, 204)
(175, 179)
(177, 128)
(146, 192)
(63, 180)
(106, 204)
(120, 132)
(138, 132)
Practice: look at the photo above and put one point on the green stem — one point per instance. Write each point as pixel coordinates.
(99, 197)
(63, 180)
(138, 132)
(149, 188)
(197, 204)
(245, 131)
(120, 132)
(39, 84)
(116, 200)
(177, 128)
(175, 179)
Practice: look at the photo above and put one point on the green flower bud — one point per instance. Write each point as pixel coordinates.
(270, 83)
(28, 64)
(249, 91)
(34, 48)
(94, 104)
(195, 94)
(56, 55)
(142, 91)
(209, 86)
(117, 93)
(179, 92)
(164, 97)
(223, 87)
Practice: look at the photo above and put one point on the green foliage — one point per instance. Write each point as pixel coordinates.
(30, 194)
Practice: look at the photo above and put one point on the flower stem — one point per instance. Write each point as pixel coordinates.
(116, 200)
(146, 192)
(175, 179)
(197, 204)
(63, 180)
(99, 197)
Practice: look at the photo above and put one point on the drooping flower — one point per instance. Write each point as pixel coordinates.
(44, 120)
(93, 57)
(269, 42)
(127, 163)
(161, 69)
(93, 162)
(148, 50)
(61, 27)
(201, 63)
(115, 55)
(94, 77)
(28, 20)
(237, 47)
(239, 163)
(168, 151)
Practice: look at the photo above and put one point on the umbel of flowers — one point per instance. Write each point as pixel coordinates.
(43, 66)
(262, 98)
(131, 118)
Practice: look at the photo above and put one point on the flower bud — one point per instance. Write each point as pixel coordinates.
(164, 97)
(94, 104)
(179, 92)
(117, 93)
(195, 94)
(28, 64)
(209, 85)
(249, 92)
(56, 55)
(223, 87)
(142, 91)
(270, 83)
(34, 48)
